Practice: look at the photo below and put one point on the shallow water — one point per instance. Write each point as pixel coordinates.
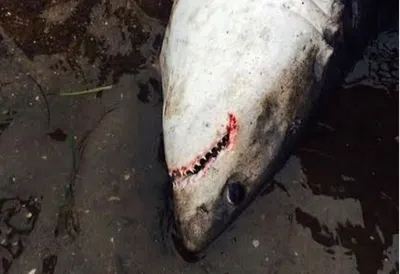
(83, 187)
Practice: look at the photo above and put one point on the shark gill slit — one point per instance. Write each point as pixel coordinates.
(200, 162)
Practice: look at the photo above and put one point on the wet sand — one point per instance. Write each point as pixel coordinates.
(83, 186)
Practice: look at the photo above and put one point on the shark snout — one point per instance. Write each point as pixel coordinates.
(194, 234)
(209, 220)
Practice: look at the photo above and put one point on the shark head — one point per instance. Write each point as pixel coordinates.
(237, 81)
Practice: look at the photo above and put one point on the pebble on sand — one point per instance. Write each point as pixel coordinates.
(127, 176)
(256, 243)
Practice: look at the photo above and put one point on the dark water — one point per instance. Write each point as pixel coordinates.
(83, 178)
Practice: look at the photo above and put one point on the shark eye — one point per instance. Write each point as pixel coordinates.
(235, 193)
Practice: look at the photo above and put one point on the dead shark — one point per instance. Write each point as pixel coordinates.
(239, 80)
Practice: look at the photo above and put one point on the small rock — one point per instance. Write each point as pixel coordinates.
(127, 176)
(114, 198)
(256, 243)
(348, 178)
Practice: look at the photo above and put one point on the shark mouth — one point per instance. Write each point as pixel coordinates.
(189, 173)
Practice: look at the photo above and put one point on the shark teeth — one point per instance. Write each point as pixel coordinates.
(202, 161)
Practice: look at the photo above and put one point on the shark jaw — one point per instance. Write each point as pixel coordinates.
(198, 167)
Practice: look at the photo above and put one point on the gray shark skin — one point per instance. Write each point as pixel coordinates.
(240, 80)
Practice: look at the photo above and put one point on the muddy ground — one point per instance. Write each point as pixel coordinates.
(83, 178)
